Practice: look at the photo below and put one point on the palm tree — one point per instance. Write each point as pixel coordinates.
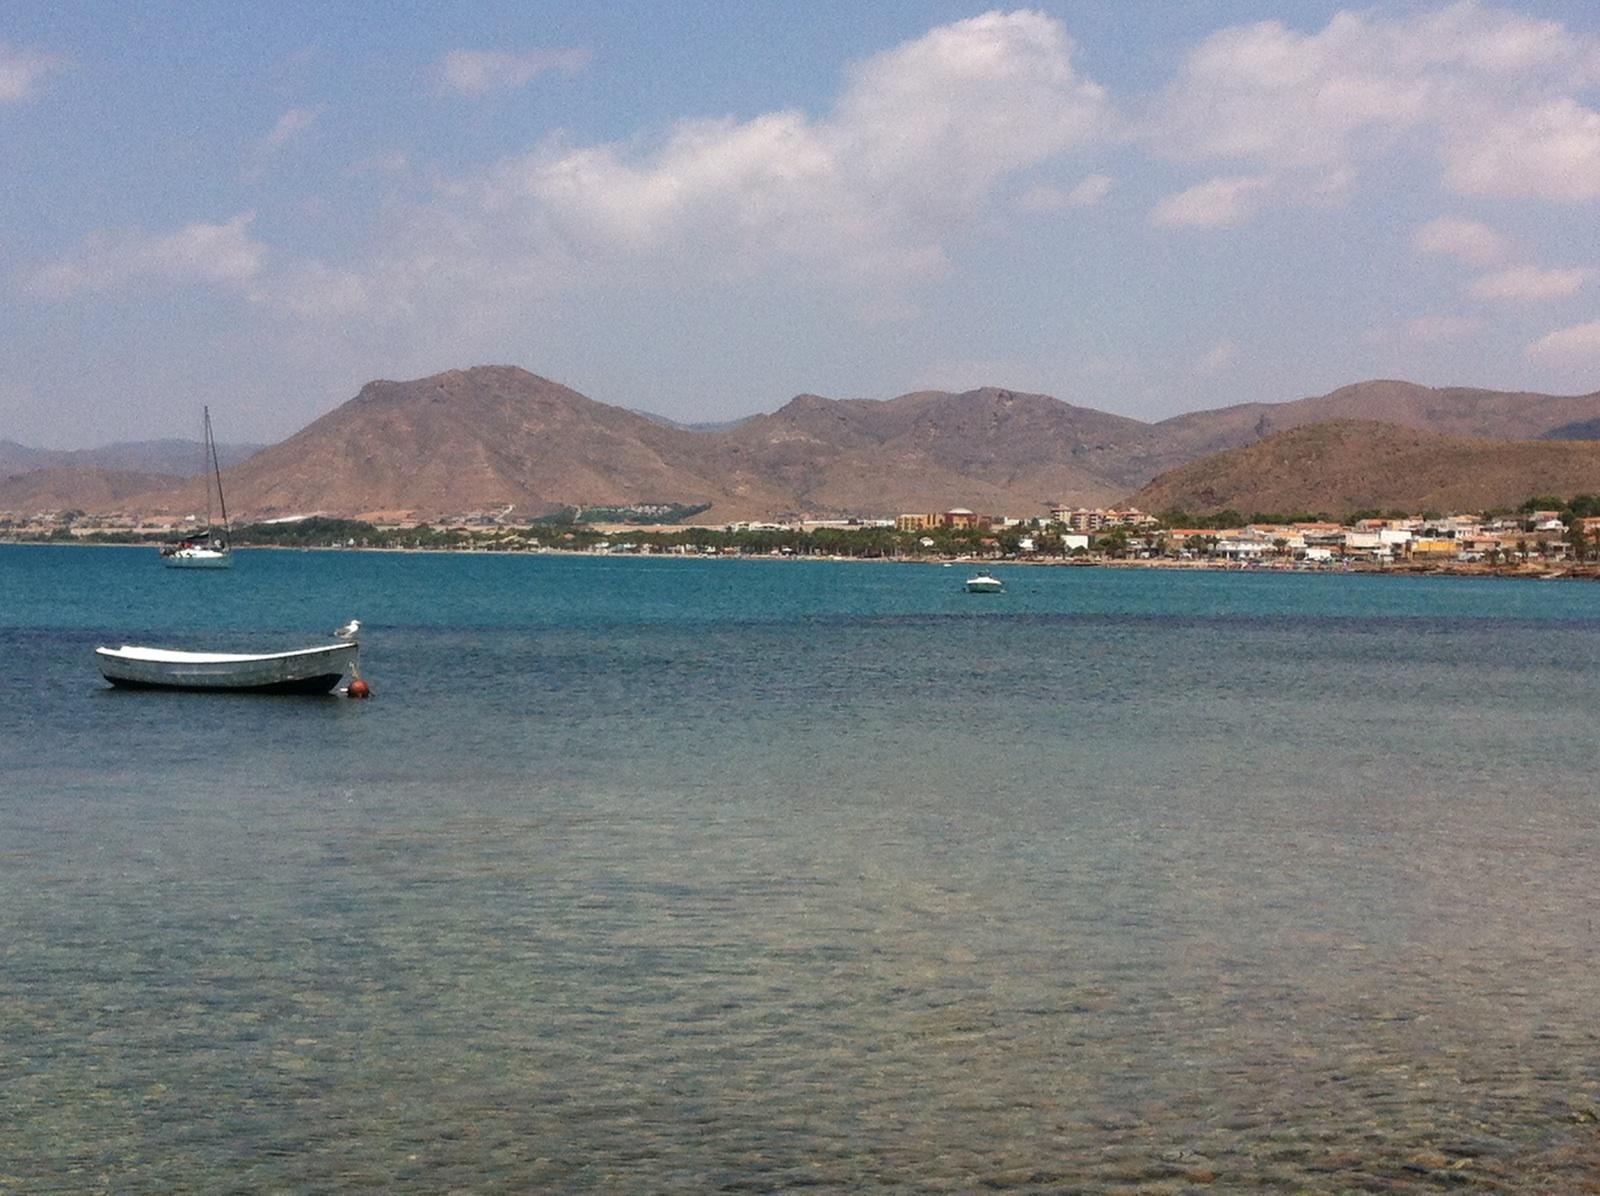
(1579, 539)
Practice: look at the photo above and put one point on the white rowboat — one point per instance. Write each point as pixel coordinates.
(302, 671)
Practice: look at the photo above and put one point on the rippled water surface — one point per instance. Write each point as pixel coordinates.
(692, 875)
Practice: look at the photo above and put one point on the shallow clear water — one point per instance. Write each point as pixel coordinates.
(691, 875)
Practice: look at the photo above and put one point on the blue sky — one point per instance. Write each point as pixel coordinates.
(703, 209)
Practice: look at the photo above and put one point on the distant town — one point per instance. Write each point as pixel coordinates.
(1543, 534)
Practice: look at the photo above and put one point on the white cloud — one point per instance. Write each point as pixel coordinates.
(1470, 242)
(1085, 194)
(1576, 345)
(220, 254)
(21, 71)
(1266, 92)
(970, 101)
(915, 145)
(1548, 152)
(1218, 359)
(1493, 92)
(1530, 282)
(474, 72)
(1217, 203)
(855, 203)
(290, 125)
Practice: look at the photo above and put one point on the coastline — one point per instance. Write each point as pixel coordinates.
(1584, 572)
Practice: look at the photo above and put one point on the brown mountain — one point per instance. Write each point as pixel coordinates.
(988, 449)
(1349, 465)
(498, 436)
(492, 436)
(1451, 410)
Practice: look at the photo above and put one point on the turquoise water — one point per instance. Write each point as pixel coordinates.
(661, 875)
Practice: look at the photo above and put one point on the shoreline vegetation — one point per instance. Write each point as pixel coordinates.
(1115, 548)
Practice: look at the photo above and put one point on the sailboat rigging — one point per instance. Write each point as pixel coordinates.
(213, 548)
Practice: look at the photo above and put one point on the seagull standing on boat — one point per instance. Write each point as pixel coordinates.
(348, 631)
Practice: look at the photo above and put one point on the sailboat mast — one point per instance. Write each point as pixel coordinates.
(216, 470)
(205, 462)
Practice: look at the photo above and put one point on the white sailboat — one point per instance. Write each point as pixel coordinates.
(212, 550)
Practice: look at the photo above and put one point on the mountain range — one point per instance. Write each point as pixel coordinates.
(497, 437)
(176, 458)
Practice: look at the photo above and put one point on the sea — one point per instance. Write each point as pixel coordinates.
(667, 875)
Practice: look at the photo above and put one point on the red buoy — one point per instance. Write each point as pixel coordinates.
(358, 689)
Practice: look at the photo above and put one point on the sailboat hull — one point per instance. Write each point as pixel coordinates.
(198, 558)
(308, 670)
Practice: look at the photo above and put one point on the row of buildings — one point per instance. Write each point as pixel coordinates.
(1466, 538)
(1463, 538)
(1130, 532)
(1077, 519)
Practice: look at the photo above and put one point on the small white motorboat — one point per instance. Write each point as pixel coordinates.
(983, 582)
(302, 671)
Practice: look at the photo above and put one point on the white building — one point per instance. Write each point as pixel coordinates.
(1242, 548)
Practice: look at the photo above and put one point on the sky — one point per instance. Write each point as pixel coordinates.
(702, 209)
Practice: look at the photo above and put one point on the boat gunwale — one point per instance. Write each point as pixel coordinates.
(141, 654)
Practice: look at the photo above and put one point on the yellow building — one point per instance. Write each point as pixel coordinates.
(1430, 549)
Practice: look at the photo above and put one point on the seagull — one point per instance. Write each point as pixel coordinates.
(348, 631)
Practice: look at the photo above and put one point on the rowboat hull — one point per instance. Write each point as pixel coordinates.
(305, 671)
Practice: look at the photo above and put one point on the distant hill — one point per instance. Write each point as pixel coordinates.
(479, 439)
(178, 457)
(716, 425)
(1450, 410)
(988, 449)
(85, 489)
(1348, 465)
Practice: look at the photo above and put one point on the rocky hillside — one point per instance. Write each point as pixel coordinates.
(1349, 465)
(1451, 411)
(479, 439)
(498, 436)
(87, 490)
